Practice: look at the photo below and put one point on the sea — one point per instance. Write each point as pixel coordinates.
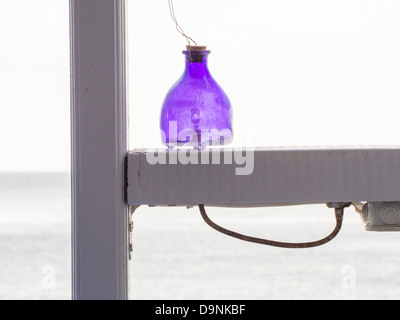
(177, 256)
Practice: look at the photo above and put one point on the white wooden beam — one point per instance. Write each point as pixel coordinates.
(280, 176)
(99, 210)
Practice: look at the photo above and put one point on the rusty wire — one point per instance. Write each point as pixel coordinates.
(339, 212)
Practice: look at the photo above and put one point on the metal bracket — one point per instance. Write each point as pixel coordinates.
(131, 226)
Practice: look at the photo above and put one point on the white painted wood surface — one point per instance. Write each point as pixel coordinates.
(99, 210)
(281, 176)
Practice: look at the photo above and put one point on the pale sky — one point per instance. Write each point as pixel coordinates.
(309, 72)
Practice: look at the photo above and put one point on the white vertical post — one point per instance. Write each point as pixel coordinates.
(99, 210)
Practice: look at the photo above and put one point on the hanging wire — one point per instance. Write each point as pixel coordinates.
(178, 27)
(339, 211)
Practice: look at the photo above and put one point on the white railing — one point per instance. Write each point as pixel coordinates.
(264, 176)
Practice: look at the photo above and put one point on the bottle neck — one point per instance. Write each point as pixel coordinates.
(197, 64)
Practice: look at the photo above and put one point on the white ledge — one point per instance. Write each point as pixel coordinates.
(301, 175)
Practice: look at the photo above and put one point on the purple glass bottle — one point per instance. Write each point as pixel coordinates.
(196, 111)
